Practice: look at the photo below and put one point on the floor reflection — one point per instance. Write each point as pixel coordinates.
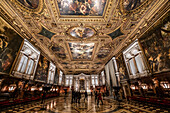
(63, 105)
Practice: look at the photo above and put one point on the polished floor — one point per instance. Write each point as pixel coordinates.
(63, 105)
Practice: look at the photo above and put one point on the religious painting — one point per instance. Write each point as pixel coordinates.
(59, 51)
(81, 50)
(42, 69)
(103, 52)
(156, 48)
(132, 4)
(122, 68)
(32, 4)
(81, 7)
(10, 43)
(81, 32)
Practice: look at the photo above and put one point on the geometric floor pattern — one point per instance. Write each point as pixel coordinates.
(63, 105)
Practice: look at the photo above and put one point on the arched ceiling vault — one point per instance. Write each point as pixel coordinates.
(80, 36)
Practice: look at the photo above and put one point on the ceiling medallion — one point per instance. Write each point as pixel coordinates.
(81, 32)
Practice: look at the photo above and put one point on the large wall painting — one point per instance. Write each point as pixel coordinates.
(81, 32)
(81, 50)
(131, 4)
(122, 68)
(42, 69)
(10, 43)
(81, 7)
(32, 4)
(156, 47)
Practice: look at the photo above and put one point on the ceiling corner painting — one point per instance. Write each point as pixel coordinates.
(59, 51)
(81, 7)
(42, 69)
(10, 43)
(81, 32)
(81, 50)
(131, 4)
(32, 4)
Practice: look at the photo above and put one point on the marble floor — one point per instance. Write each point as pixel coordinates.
(63, 105)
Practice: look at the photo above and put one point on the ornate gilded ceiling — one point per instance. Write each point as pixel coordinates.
(79, 36)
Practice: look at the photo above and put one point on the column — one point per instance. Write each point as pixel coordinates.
(112, 73)
(107, 78)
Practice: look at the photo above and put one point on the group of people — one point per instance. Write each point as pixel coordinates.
(76, 96)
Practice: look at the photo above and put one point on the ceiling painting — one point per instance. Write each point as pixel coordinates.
(131, 5)
(32, 4)
(115, 34)
(103, 52)
(59, 51)
(81, 50)
(81, 7)
(74, 47)
(46, 33)
(81, 32)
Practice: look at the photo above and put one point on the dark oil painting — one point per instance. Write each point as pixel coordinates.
(122, 68)
(59, 51)
(156, 47)
(32, 4)
(42, 69)
(10, 43)
(81, 7)
(81, 50)
(132, 4)
(104, 51)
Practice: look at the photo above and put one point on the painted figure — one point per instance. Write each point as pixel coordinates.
(32, 4)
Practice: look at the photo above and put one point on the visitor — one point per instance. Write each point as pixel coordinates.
(95, 96)
(99, 98)
(86, 96)
(73, 97)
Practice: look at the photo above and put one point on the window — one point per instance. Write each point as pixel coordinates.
(92, 81)
(96, 81)
(70, 82)
(135, 61)
(132, 66)
(139, 63)
(67, 82)
(22, 64)
(27, 62)
(30, 66)
(51, 73)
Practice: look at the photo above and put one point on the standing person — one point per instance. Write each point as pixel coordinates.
(73, 97)
(86, 96)
(99, 98)
(79, 97)
(95, 96)
(43, 97)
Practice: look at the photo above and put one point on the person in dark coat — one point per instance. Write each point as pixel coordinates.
(43, 97)
(96, 96)
(99, 98)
